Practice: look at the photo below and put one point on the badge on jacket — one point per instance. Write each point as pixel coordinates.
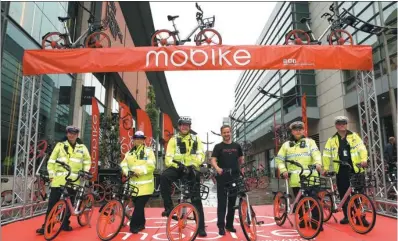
(302, 144)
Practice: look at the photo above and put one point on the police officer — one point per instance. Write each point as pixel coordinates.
(302, 150)
(74, 153)
(140, 160)
(187, 149)
(345, 146)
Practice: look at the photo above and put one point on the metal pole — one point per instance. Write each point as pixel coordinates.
(281, 98)
(207, 148)
(388, 63)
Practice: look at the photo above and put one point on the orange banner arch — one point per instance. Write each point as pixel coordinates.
(84, 60)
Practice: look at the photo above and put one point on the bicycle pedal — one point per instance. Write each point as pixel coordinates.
(260, 222)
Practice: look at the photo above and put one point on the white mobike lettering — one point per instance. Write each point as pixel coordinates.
(172, 57)
(209, 238)
(240, 57)
(148, 55)
(94, 144)
(285, 233)
(193, 52)
(159, 235)
(127, 235)
(246, 56)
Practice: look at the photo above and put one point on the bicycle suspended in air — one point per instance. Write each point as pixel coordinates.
(360, 209)
(82, 208)
(165, 37)
(93, 37)
(112, 215)
(247, 216)
(337, 35)
(305, 205)
(179, 225)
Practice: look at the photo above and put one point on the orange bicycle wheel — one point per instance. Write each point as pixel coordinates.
(307, 225)
(361, 213)
(248, 223)
(178, 225)
(110, 220)
(54, 220)
(280, 209)
(86, 207)
(326, 201)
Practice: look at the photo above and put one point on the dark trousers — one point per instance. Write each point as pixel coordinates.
(55, 195)
(222, 199)
(138, 217)
(170, 175)
(343, 183)
(314, 212)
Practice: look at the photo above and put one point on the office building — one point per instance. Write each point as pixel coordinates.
(329, 93)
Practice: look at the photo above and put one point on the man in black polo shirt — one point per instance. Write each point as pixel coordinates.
(226, 155)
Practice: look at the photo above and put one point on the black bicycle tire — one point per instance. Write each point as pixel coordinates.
(78, 217)
(373, 213)
(120, 225)
(59, 230)
(195, 211)
(321, 218)
(242, 221)
(284, 216)
(327, 218)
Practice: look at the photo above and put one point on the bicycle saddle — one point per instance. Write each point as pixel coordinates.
(170, 18)
(303, 20)
(63, 19)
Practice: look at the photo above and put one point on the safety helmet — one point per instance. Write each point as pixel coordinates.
(139, 135)
(72, 129)
(184, 120)
(341, 119)
(296, 125)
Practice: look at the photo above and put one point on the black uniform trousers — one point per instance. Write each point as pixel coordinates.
(138, 218)
(222, 202)
(55, 195)
(173, 174)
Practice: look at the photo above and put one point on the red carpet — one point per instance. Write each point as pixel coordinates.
(384, 230)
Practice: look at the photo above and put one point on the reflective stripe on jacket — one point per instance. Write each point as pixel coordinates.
(173, 151)
(77, 158)
(307, 155)
(143, 165)
(357, 150)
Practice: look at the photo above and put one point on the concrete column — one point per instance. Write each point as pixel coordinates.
(77, 108)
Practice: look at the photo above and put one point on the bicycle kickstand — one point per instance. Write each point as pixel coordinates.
(291, 224)
(335, 219)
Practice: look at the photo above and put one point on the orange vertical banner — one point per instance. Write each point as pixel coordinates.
(126, 130)
(304, 113)
(95, 131)
(168, 129)
(144, 124)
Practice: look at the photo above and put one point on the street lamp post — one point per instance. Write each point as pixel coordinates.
(207, 146)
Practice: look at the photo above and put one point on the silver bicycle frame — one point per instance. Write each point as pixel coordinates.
(74, 44)
(189, 35)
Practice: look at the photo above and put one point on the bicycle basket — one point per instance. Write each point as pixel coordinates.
(193, 188)
(127, 190)
(313, 182)
(236, 186)
(357, 181)
(208, 22)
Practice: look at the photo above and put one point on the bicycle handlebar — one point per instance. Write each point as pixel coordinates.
(348, 164)
(81, 173)
(310, 167)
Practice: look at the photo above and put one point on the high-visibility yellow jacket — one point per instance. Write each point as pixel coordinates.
(185, 149)
(304, 152)
(140, 160)
(357, 150)
(77, 158)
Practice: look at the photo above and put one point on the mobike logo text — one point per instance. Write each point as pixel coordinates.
(198, 57)
(94, 144)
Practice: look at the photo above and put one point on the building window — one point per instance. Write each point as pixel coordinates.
(53, 116)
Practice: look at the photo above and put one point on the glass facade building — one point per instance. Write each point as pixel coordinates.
(260, 108)
(26, 23)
